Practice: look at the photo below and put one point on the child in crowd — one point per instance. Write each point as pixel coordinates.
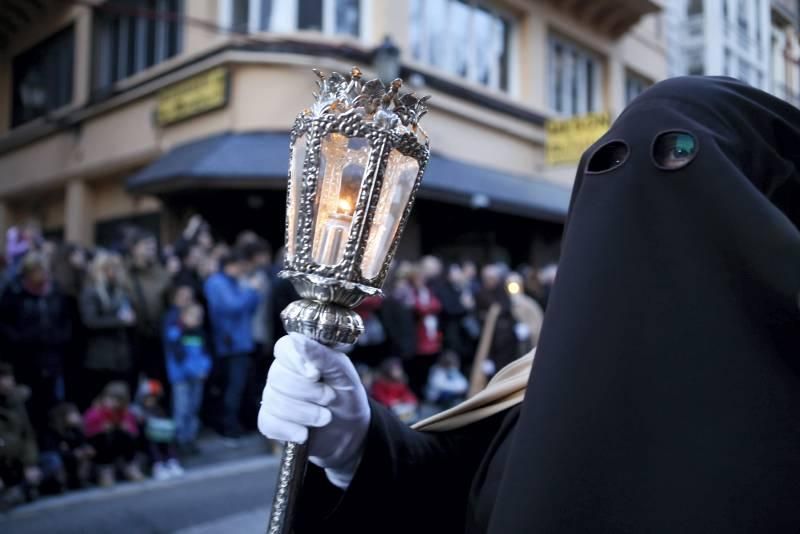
(447, 385)
(188, 365)
(113, 432)
(19, 472)
(390, 388)
(66, 453)
(159, 430)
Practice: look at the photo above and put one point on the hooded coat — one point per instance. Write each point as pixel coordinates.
(666, 390)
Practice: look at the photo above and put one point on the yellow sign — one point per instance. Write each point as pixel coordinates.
(195, 95)
(567, 139)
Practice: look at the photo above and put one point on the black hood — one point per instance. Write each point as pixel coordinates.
(665, 396)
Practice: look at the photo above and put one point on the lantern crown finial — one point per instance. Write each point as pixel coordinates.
(386, 106)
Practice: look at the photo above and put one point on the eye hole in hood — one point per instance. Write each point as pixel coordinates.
(674, 150)
(608, 157)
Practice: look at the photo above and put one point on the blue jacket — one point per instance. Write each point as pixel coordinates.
(231, 308)
(186, 353)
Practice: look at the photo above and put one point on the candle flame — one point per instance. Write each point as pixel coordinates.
(344, 206)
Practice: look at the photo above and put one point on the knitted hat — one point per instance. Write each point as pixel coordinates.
(148, 388)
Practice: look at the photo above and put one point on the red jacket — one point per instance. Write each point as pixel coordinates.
(99, 419)
(390, 393)
(429, 333)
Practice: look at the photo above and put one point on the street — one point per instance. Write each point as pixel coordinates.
(232, 497)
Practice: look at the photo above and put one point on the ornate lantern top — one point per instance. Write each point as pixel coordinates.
(372, 101)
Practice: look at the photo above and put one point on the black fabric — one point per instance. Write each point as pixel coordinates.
(666, 390)
(407, 481)
(666, 395)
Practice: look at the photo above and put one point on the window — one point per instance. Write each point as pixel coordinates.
(575, 78)
(634, 86)
(334, 17)
(464, 37)
(695, 7)
(133, 36)
(42, 77)
(728, 66)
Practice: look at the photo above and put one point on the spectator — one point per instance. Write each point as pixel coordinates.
(191, 257)
(232, 305)
(397, 316)
(149, 285)
(36, 332)
(21, 241)
(283, 294)
(460, 326)
(65, 450)
(69, 269)
(188, 366)
(391, 389)
(257, 256)
(526, 312)
(113, 432)
(447, 385)
(504, 347)
(371, 345)
(471, 280)
(19, 473)
(159, 430)
(426, 307)
(108, 317)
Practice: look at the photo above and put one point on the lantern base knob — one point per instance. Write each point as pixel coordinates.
(328, 323)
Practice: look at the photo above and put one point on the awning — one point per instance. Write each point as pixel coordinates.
(260, 159)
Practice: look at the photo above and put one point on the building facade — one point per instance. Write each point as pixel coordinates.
(145, 111)
(753, 40)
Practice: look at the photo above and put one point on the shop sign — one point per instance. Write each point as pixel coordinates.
(191, 97)
(567, 139)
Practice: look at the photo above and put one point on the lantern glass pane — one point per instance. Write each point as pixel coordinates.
(343, 163)
(295, 186)
(398, 183)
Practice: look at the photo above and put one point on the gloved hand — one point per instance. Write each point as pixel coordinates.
(311, 386)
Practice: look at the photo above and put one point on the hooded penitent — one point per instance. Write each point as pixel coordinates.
(666, 390)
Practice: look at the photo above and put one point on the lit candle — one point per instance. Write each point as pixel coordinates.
(334, 234)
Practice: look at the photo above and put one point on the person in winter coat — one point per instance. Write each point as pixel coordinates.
(158, 430)
(390, 388)
(19, 455)
(447, 385)
(505, 346)
(460, 326)
(36, 334)
(426, 307)
(150, 283)
(232, 304)
(65, 450)
(113, 432)
(109, 319)
(397, 317)
(188, 366)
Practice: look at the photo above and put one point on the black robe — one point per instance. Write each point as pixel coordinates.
(665, 396)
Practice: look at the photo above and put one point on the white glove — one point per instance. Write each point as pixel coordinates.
(312, 386)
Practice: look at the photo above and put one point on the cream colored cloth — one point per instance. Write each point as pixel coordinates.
(505, 389)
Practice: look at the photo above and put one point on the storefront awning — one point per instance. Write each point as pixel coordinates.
(260, 159)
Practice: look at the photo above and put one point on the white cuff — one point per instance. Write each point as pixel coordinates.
(342, 476)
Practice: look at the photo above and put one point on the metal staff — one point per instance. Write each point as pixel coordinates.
(357, 160)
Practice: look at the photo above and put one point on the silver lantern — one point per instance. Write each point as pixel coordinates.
(357, 159)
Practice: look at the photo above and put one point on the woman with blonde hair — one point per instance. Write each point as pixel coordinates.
(106, 311)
